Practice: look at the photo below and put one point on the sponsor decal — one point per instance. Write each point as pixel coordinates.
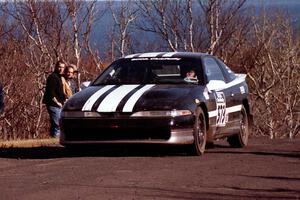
(139, 59)
(205, 94)
(232, 109)
(112, 72)
(242, 89)
(222, 116)
(153, 56)
(165, 58)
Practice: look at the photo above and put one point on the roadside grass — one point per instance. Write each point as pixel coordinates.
(30, 143)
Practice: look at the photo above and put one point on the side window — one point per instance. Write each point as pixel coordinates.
(228, 72)
(212, 69)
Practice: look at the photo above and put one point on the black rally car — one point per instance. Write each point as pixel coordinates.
(160, 98)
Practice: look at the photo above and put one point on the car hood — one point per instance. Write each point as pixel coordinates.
(129, 98)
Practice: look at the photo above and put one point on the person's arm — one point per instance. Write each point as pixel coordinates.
(56, 101)
(52, 84)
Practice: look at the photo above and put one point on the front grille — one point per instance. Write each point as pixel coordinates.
(115, 129)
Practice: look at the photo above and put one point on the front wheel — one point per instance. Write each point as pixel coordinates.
(241, 139)
(200, 135)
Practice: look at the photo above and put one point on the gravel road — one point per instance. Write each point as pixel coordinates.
(266, 169)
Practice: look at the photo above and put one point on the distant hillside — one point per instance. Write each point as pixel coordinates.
(290, 7)
(103, 28)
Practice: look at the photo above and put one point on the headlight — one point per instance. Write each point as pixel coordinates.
(78, 114)
(169, 113)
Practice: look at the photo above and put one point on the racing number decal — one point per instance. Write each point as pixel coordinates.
(221, 109)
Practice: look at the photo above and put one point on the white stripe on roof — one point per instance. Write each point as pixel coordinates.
(131, 55)
(170, 54)
(149, 55)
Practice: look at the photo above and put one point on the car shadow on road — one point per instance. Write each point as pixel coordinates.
(61, 152)
(129, 151)
(295, 179)
(223, 149)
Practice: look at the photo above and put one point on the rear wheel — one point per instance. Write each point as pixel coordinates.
(200, 135)
(241, 139)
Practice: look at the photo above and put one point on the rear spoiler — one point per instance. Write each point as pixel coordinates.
(243, 76)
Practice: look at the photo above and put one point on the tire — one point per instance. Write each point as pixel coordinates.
(241, 139)
(200, 133)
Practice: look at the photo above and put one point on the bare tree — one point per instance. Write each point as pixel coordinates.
(36, 34)
(275, 76)
(219, 14)
(124, 16)
(156, 16)
(32, 18)
(81, 16)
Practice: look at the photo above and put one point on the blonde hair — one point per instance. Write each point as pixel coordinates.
(66, 88)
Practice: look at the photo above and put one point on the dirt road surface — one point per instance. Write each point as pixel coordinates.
(266, 169)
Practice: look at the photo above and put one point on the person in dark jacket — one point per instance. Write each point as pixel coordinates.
(1, 98)
(54, 97)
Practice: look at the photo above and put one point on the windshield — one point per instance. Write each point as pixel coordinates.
(151, 72)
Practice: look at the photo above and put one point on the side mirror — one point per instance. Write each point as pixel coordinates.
(215, 85)
(85, 84)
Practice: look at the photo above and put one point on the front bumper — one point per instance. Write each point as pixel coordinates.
(178, 130)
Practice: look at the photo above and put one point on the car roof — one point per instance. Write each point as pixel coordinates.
(166, 55)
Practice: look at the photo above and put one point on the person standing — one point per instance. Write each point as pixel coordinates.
(70, 77)
(54, 97)
(1, 98)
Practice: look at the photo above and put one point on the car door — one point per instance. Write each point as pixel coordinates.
(216, 84)
(237, 90)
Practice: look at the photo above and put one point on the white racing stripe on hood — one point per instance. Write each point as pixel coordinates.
(112, 100)
(128, 107)
(90, 102)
